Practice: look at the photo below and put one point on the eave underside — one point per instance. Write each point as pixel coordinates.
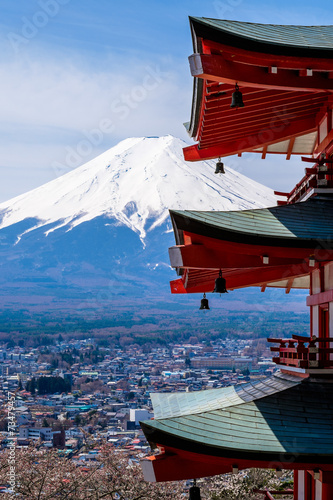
(280, 122)
(285, 89)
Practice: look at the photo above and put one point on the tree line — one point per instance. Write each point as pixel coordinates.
(48, 385)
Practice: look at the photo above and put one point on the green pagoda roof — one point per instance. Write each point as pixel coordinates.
(255, 36)
(305, 224)
(282, 414)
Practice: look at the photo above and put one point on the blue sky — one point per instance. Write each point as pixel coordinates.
(78, 72)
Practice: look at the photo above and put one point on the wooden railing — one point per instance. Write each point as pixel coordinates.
(269, 494)
(303, 352)
(319, 176)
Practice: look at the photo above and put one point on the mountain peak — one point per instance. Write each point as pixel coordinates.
(135, 182)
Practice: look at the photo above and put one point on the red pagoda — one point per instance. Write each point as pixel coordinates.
(262, 89)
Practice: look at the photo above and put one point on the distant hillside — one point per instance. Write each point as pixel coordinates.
(94, 242)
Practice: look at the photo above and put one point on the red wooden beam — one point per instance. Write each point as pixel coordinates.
(257, 277)
(290, 147)
(236, 279)
(312, 160)
(266, 112)
(175, 464)
(207, 144)
(240, 126)
(281, 193)
(319, 298)
(325, 143)
(243, 126)
(230, 247)
(247, 127)
(177, 286)
(268, 106)
(269, 494)
(289, 285)
(216, 68)
(264, 137)
(200, 257)
(267, 60)
(211, 139)
(260, 98)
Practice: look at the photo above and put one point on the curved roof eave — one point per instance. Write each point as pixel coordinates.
(288, 40)
(282, 422)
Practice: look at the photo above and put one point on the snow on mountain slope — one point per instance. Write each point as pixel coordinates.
(135, 182)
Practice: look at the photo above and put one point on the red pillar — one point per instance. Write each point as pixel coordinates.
(304, 486)
(327, 485)
(295, 484)
(308, 486)
(321, 311)
(313, 485)
(327, 491)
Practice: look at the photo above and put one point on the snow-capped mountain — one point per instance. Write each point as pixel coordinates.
(102, 230)
(135, 183)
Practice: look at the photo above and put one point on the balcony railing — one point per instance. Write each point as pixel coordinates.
(304, 352)
(269, 494)
(318, 177)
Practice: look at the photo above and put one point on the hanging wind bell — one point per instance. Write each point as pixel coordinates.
(220, 284)
(219, 167)
(237, 98)
(194, 492)
(204, 303)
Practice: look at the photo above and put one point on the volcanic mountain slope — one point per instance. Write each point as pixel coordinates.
(103, 228)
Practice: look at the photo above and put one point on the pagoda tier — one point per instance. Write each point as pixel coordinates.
(263, 89)
(274, 247)
(285, 76)
(283, 421)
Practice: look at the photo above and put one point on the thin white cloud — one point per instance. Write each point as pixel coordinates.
(49, 106)
(60, 94)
